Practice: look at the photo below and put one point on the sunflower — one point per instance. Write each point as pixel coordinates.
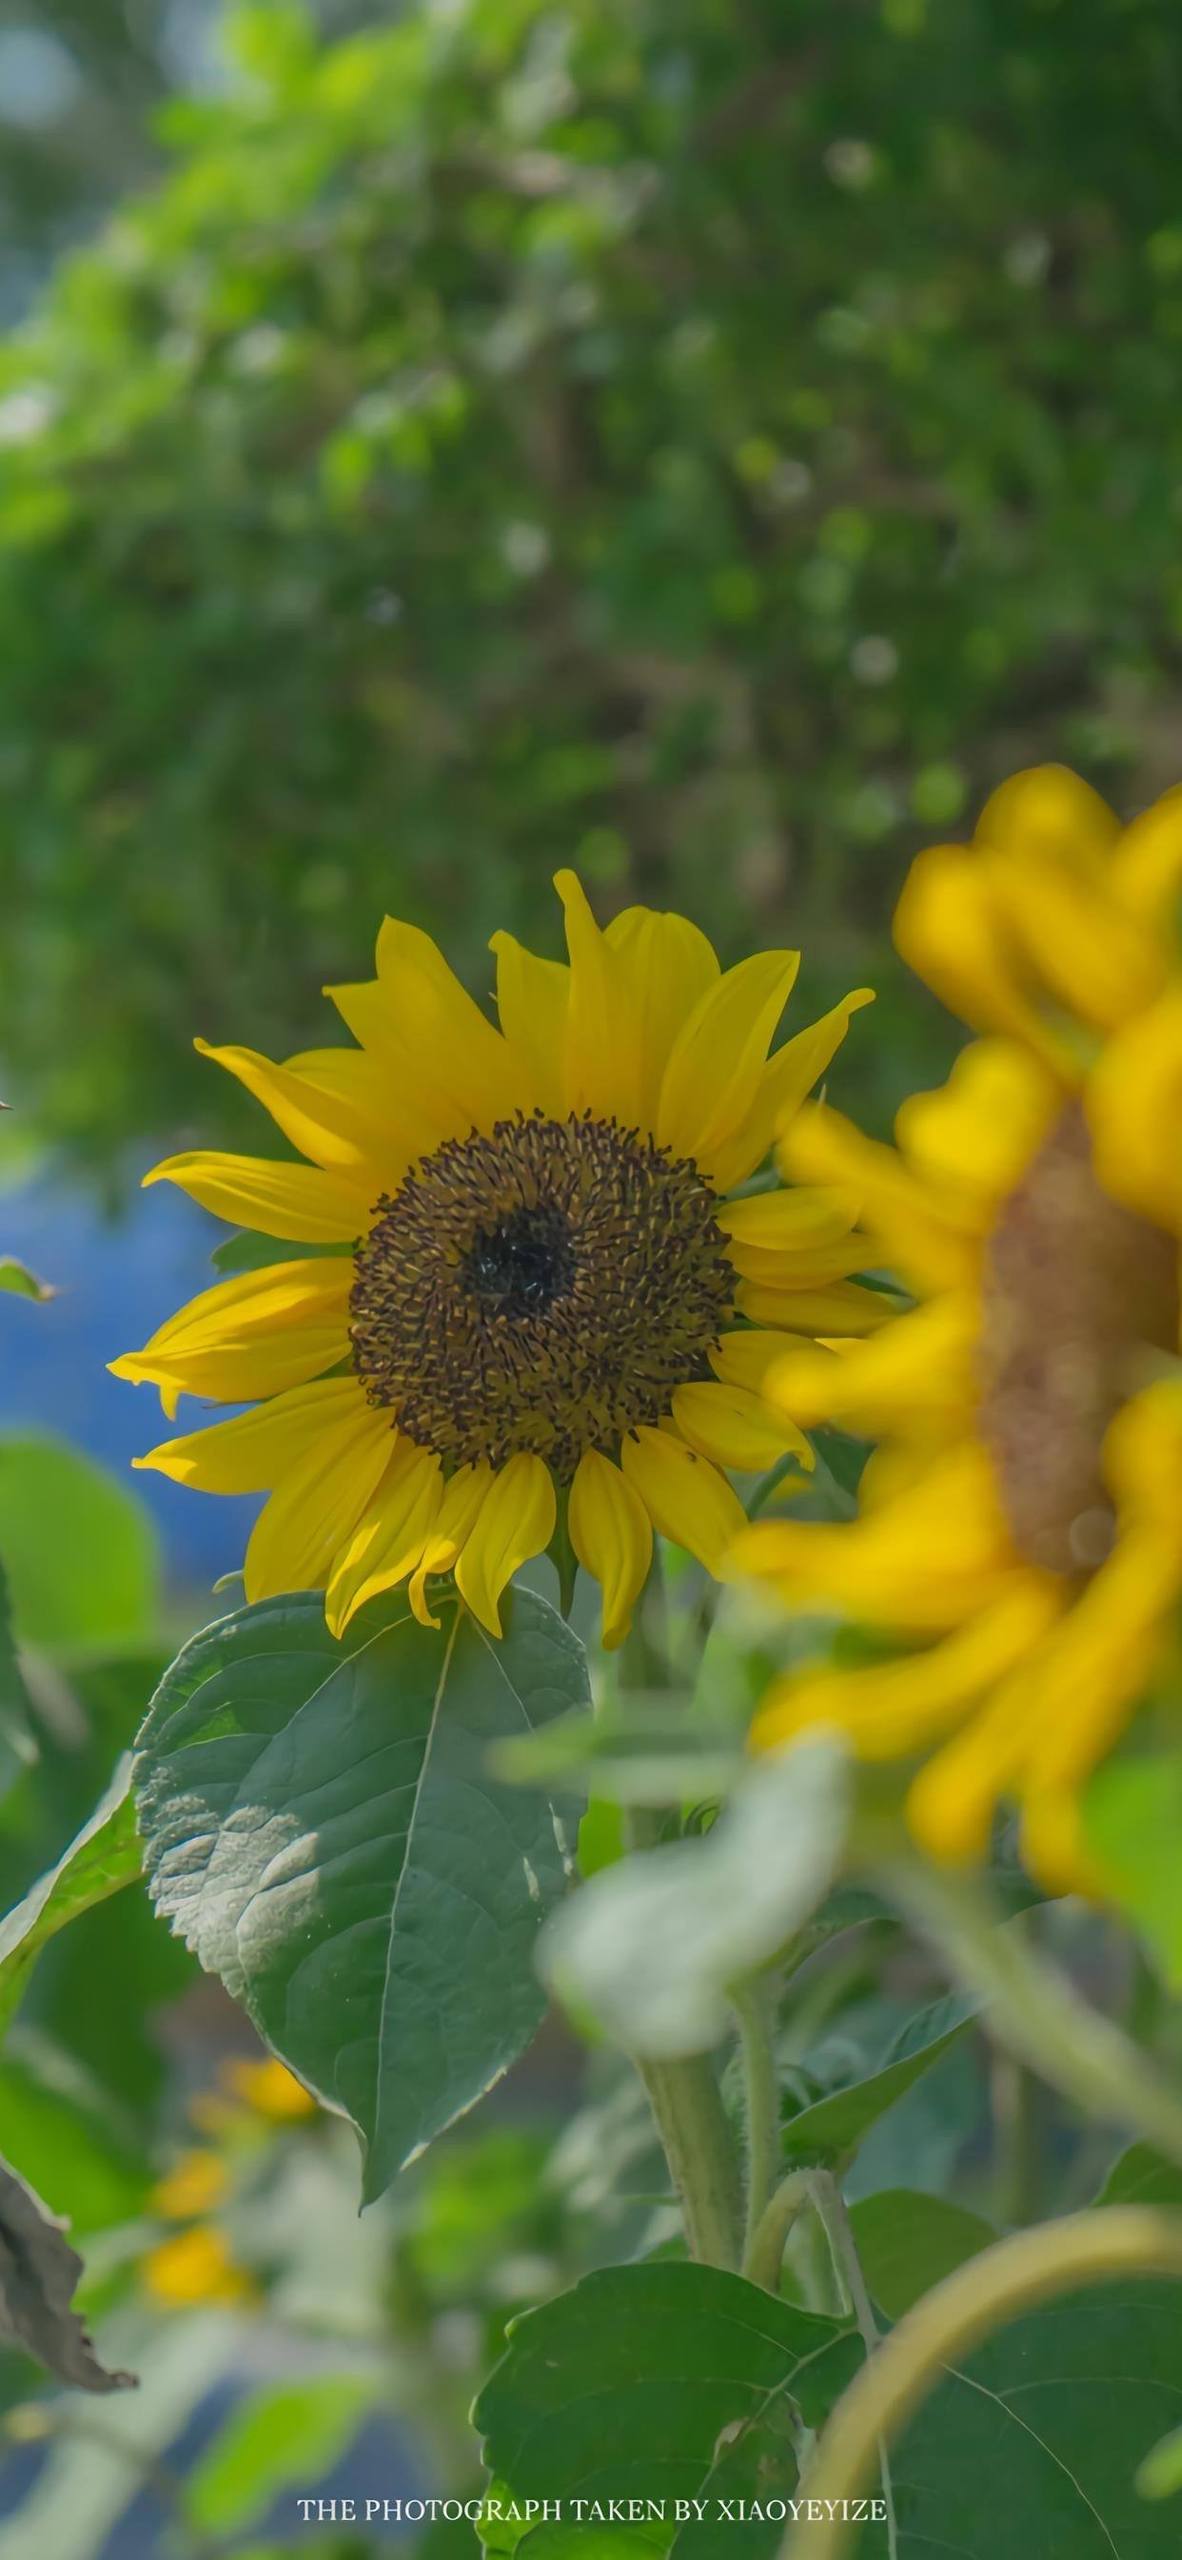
(533, 1309)
(1018, 1544)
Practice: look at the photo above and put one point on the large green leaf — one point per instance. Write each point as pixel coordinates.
(104, 1857)
(836, 2123)
(907, 2241)
(1032, 2446)
(648, 2383)
(79, 1549)
(671, 2381)
(321, 1826)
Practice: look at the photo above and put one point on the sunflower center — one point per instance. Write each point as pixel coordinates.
(1077, 1289)
(545, 1288)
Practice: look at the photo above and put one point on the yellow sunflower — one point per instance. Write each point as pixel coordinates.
(1019, 1535)
(535, 1290)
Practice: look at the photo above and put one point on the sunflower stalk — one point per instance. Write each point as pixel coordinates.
(693, 2126)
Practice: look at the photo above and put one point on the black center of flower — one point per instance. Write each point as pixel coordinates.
(1079, 1292)
(544, 1288)
(522, 1264)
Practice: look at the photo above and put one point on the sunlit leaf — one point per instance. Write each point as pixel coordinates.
(321, 1827)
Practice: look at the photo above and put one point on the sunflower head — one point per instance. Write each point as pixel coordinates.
(1019, 1537)
(532, 1299)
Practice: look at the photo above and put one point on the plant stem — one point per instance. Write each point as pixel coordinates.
(751, 2002)
(699, 2147)
(764, 2253)
(833, 2215)
(1027, 2268)
(1036, 2010)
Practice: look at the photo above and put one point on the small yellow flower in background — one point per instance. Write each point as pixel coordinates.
(195, 2266)
(198, 2265)
(536, 1285)
(268, 2089)
(199, 2182)
(1019, 1535)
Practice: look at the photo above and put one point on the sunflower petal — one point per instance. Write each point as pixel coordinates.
(1147, 863)
(735, 1428)
(388, 1540)
(717, 1061)
(302, 1202)
(889, 1708)
(973, 1138)
(335, 1128)
(951, 929)
(919, 1369)
(611, 1534)
(463, 1500)
(1134, 1107)
(684, 1495)
(515, 1521)
(251, 1336)
(316, 1507)
(919, 1562)
(1048, 814)
(787, 1080)
(457, 1070)
(253, 1451)
(532, 1001)
(661, 967)
(917, 1231)
(842, 1308)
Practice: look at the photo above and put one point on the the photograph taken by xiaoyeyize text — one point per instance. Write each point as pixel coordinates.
(590, 1249)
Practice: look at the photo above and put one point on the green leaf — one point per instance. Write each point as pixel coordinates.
(1132, 1815)
(20, 1282)
(625, 2386)
(276, 2439)
(670, 2380)
(321, 1827)
(79, 1549)
(104, 1857)
(247, 1252)
(651, 1946)
(907, 2241)
(1032, 2447)
(1141, 2176)
(835, 2124)
(59, 2129)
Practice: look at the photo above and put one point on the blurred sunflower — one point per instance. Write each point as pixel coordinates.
(1019, 1535)
(534, 1288)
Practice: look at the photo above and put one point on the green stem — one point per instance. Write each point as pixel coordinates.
(764, 2253)
(1037, 2011)
(833, 2215)
(699, 2147)
(751, 2003)
(691, 2120)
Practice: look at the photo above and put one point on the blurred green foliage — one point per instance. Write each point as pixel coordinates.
(706, 444)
